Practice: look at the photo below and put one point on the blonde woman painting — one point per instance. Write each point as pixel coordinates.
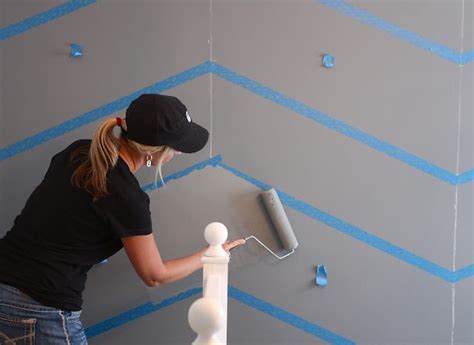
(88, 207)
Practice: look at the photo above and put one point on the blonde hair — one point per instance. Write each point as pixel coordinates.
(102, 155)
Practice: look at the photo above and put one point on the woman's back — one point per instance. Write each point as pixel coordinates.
(61, 232)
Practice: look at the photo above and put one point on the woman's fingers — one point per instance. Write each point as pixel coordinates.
(229, 245)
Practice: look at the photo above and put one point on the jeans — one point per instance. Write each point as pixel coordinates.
(23, 321)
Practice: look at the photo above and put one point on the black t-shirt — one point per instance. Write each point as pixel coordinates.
(61, 232)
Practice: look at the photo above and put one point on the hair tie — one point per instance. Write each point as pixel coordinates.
(119, 121)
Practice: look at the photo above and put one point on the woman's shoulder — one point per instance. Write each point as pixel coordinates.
(78, 143)
(65, 153)
(74, 145)
(122, 184)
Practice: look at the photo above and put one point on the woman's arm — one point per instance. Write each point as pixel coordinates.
(146, 260)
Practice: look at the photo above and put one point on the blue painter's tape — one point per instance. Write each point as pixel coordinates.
(328, 61)
(364, 236)
(234, 293)
(334, 124)
(463, 273)
(331, 221)
(101, 112)
(233, 77)
(467, 57)
(288, 317)
(137, 313)
(354, 231)
(256, 303)
(321, 275)
(254, 181)
(214, 161)
(42, 18)
(76, 50)
(405, 35)
(465, 177)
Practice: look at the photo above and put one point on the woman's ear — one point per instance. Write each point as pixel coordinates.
(148, 159)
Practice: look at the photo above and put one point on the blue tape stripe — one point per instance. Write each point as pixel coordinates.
(287, 317)
(43, 18)
(214, 161)
(137, 313)
(467, 57)
(252, 180)
(252, 86)
(463, 273)
(466, 177)
(329, 220)
(365, 237)
(234, 293)
(334, 124)
(403, 34)
(101, 112)
(266, 307)
(357, 233)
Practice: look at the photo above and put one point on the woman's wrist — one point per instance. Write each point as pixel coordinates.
(203, 251)
(199, 255)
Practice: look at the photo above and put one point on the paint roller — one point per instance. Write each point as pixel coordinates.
(280, 222)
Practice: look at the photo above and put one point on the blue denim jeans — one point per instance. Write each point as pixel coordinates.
(23, 321)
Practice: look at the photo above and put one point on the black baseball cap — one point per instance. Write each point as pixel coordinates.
(157, 120)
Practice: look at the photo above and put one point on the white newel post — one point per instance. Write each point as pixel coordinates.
(208, 315)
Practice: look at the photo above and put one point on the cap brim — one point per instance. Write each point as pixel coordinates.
(194, 141)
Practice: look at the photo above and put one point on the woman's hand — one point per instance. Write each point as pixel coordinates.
(229, 245)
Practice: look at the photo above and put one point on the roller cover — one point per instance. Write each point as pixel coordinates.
(280, 220)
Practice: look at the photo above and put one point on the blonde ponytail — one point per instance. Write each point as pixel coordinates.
(101, 156)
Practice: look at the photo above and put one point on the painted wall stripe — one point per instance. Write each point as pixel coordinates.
(137, 313)
(43, 18)
(360, 234)
(287, 317)
(403, 34)
(108, 109)
(334, 124)
(239, 295)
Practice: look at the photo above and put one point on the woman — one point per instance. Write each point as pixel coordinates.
(88, 206)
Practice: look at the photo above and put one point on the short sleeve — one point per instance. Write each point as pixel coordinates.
(127, 211)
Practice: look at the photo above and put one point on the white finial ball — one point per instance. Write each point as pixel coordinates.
(215, 234)
(205, 316)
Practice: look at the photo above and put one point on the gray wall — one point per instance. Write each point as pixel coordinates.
(382, 85)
